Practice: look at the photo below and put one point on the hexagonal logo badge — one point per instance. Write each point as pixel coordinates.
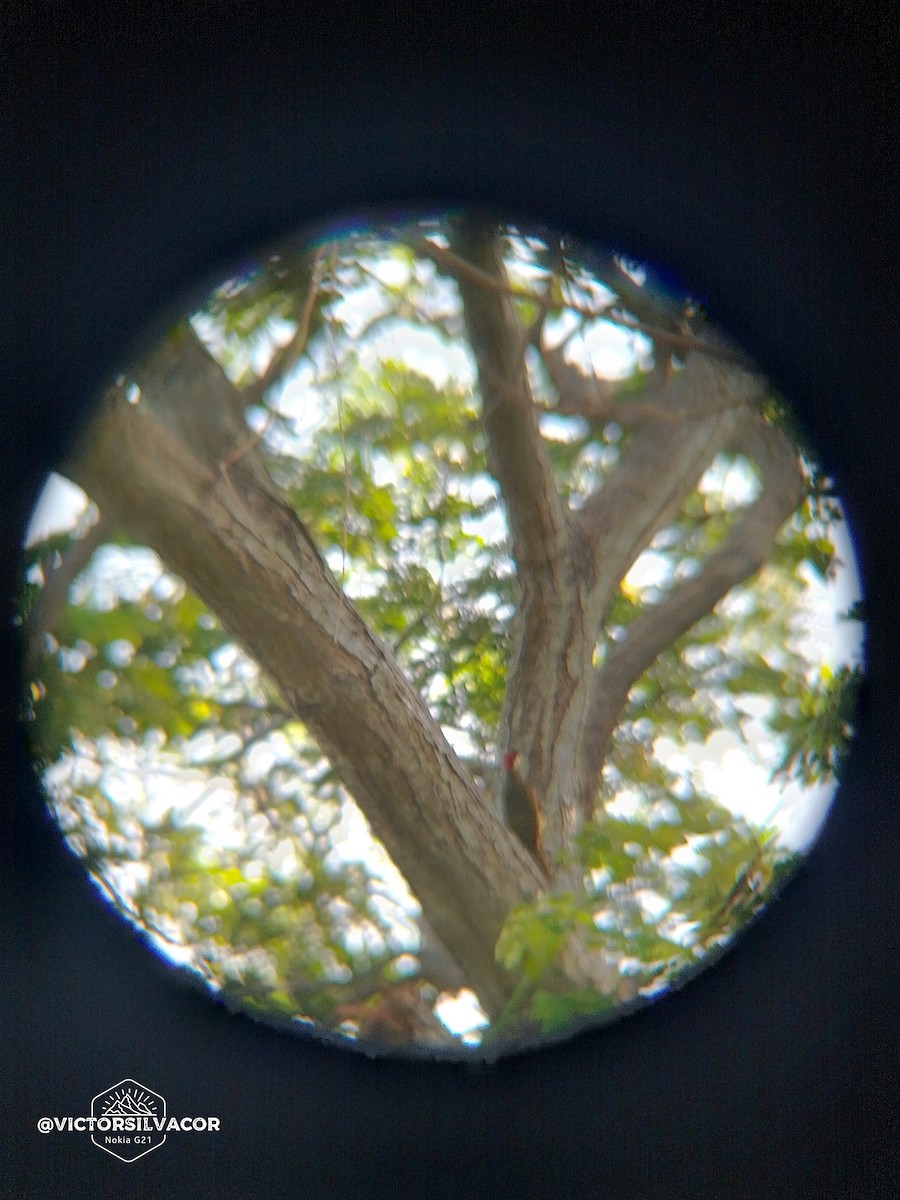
(129, 1120)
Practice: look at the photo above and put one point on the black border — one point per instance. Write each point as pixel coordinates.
(144, 158)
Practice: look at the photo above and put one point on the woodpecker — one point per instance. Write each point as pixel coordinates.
(520, 808)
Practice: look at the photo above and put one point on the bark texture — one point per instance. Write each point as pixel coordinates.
(178, 470)
(155, 467)
(560, 708)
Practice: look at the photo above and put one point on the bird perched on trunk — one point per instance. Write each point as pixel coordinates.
(520, 808)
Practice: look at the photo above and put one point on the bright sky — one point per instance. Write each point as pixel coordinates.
(735, 777)
(724, 766)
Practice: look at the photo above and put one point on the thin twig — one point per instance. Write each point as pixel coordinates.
(332, 347)
(456, 266)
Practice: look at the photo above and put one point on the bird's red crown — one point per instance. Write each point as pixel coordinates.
(510, 758)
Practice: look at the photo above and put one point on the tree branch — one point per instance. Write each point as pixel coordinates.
(658, 469)
(238, 546)
(54, 594)
(594, 399)
(649, 309)
(743, 554)
(550, 660)
(517, 456)
(286, 357)
(658, 327)
(548, 614)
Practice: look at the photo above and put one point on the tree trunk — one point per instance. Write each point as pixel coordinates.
(156, 467)
(178, 469)
(570, 563)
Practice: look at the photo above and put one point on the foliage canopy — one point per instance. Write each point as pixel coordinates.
(389, 417)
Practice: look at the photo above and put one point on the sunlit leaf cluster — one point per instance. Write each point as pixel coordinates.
(210, 816)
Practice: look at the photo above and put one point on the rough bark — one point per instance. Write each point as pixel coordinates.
(179, 471)
(560, 709)
(743, 553)
(155, 467)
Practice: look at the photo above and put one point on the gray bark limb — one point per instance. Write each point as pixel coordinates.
(154, 467)
(570, 565)
(743, 553)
